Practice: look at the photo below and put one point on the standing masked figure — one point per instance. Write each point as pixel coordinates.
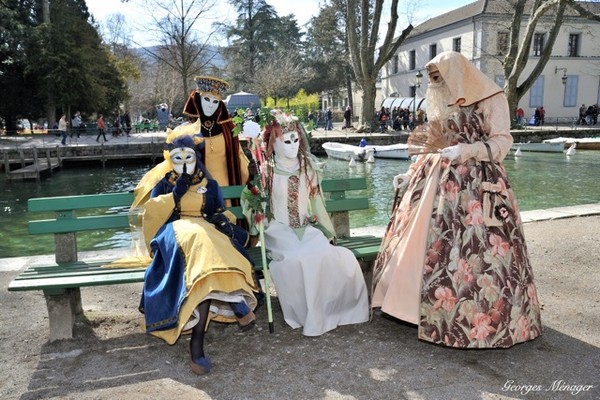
(464, 281)
(199, 270)
(222, 154)
(319, 286)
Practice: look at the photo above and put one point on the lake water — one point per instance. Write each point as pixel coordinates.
(540, 180)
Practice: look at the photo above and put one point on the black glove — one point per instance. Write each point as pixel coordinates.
(222, 223)
(182, 184)
(252, 170)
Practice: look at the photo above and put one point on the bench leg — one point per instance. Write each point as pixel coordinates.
(367, 270)
(76, 301)
(341, 223)
(61, 314)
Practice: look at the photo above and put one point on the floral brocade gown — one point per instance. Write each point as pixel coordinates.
(477, 288)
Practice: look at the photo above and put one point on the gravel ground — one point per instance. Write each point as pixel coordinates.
(110, 358)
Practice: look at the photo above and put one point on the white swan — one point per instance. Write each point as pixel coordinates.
(571, 150)
(518, 152)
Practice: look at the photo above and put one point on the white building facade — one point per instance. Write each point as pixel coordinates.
(480, 31)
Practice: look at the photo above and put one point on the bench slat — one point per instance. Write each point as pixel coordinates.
(85, 223)
(65, 203)
(347, 184)
(61, 282)
(339, 205)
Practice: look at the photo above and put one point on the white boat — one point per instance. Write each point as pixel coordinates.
(582, 143)
(542, 147)
(343, 151)
(397, 151)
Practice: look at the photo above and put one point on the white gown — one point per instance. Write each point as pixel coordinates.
(319, 286)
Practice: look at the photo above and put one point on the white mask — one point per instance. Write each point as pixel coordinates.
(287, 146)
(183, 156)
(209, 103)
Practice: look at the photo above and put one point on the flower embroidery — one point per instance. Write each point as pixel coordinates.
(450, 190)
(445, 298)
(474, 213)
(464, 273)
(489, 290)
(481, 327)
(521, 332)
(293, 190)
(499, 246)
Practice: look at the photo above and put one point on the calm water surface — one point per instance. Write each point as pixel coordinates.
(540, 180)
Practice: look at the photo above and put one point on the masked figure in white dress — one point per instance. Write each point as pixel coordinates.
(319, 286)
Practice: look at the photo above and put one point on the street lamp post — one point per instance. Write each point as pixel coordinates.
(418, 80)
(564, 77)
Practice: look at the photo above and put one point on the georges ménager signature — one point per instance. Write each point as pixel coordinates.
(557, 386)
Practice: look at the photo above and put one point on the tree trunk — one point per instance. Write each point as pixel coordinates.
(366, 114)
(349, 89)
(50, 107)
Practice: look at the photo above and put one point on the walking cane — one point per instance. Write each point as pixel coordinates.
(252, 130)
(265, 269)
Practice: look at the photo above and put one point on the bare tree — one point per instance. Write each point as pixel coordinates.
(363, 19)
(281, 76)
(549, 12)
(177, 24)
(520, 45)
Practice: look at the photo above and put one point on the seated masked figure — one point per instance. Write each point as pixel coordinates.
(319, 286)
(199, 270)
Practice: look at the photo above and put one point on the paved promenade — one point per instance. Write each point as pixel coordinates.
(145, 137)
(111, 358)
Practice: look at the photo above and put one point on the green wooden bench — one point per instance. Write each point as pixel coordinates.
(61, 281)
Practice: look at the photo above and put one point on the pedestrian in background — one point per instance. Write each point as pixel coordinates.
(582, 113)
(101, 127)
(348, 117)
(126, 122)
(76, 124)
(328, 119)
(319, 118)
(116, 128)
(62, 127)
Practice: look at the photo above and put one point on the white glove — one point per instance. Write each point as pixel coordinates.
(401, 182)
(451, 153)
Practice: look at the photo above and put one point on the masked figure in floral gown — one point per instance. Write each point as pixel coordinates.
(199, 270)
(319, 286)
(466, 282)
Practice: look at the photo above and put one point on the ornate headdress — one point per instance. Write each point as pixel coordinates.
(185, 135)
(280, 124)
(209, 84)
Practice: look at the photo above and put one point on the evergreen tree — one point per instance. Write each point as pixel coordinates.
(257, 34)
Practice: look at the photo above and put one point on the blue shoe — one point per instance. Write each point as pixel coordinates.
(201, 366)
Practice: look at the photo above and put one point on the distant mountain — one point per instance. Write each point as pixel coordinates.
(217, 61)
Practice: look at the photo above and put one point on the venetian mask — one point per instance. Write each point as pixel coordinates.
(288, 145)
(183, 156)
(209, 103)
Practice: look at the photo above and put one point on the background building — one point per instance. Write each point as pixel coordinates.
(480, 31)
